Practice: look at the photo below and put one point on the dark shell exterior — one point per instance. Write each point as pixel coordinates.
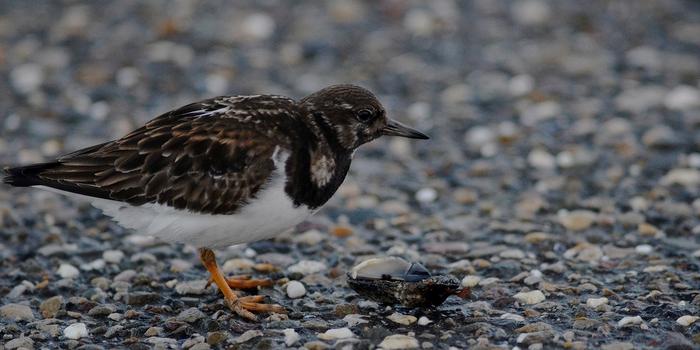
(431, 291)
(395, 281)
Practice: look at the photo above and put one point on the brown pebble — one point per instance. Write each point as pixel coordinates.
(341, 231)
(265, 268)
(335, 272)
(530, 313)
(346, 309)
(646, 229)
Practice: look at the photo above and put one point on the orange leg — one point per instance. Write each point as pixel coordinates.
(245, 282)
(243, 305)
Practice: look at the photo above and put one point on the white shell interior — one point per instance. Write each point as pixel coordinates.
(377, 267)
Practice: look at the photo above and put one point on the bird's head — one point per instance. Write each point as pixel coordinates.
(353, 116)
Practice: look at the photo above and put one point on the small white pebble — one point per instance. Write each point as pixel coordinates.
(97, 264)
(532, 297)
(336, 333)
(76, 331)
(295, 289)
(250, 253)
(687, 320)
(113, 256)
(68, 271)
(595, 302)
(470, 281)
(488, 281)
(426, 195)
(424, 321)
(644, 249)
(291, 336)
(308, 267)
(629, 320)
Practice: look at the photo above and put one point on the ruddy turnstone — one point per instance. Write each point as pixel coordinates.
(223, 171)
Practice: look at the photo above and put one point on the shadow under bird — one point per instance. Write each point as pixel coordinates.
(223, 171)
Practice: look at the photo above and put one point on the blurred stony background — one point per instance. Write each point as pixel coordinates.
(560, 182)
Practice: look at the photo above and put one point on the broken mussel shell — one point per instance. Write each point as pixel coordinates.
(393, 280)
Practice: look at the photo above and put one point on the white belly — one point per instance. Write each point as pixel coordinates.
(270, 214)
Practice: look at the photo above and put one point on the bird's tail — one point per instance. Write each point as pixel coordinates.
(25, 176)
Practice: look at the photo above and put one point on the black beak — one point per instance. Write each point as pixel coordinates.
(394, 128)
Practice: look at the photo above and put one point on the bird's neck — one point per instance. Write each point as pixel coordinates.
(318, 164)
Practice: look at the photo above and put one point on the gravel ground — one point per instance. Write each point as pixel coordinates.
(560, 182)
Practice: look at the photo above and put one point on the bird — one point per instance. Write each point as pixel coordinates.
(223, 171)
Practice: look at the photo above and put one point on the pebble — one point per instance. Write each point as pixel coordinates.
(27, 77)
(153, 331)
(295, 289)
(308, 267)
(529, 298)
(336, 333)
(125, 276)
(258, 26)
(354, 319)
(541, 159)
(629, 320)
(218, 337)
(162, 343)
(644, 249)
(180, 265)
(470, 281)
(426, 195)
(683, 97)
(113, 256)
(248, 335)
(190, 315)
(402, 319)
(512, 254)
(310, 238)
(97, 264)
(237, 265)
(68, 271)
(513, 317)
(576, 220)
(142, 298)
(399, 341)
(655, 268)
(50, 307)
(196, 287)
(594, 303)
(618, 346)
(424, 321)
(17, 312)
(687, 320)
(22, 343)
(682, 176)
(76, 331)
(291, 336)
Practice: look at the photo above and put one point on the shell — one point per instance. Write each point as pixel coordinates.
(393, 280)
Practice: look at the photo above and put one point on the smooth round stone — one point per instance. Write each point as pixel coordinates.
(529, 298)
(68, 271)
(76, 331)
(295, 289)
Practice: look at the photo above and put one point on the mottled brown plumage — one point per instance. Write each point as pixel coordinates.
(213, 156)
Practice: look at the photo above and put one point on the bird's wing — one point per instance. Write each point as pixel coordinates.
(205, 157)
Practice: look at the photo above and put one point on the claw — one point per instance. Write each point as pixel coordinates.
(245, 306)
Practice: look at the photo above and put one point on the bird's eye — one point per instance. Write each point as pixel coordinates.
(365, 115)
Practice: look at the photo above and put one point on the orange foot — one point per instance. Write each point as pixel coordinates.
(243, 306)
